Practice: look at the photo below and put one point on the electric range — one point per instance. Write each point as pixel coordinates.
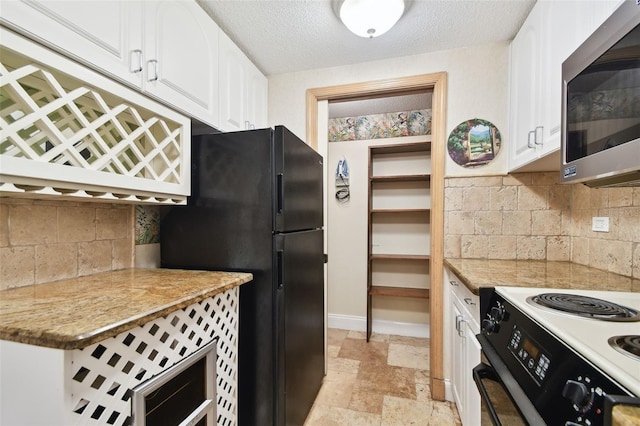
(560, 354)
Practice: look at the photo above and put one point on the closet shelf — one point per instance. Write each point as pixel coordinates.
(399, 181)
(401, 178)
(400, 210)
(400, 257)
(419, 293)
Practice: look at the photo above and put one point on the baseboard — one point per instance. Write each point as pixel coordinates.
(448, 391)
(348, 322)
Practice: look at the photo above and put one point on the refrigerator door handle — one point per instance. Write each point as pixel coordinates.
(280, 257)
(280, 190)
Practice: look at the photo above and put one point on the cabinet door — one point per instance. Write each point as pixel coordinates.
(181, 57)
(105, 35)
(232, 85)
(559, 40)
(257, 92)
(524, 88)
(457, 368)
(472, 359)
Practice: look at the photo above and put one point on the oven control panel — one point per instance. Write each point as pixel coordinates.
(530, 354)
(544, 374)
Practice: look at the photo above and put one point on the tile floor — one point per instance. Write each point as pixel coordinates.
(384, 383)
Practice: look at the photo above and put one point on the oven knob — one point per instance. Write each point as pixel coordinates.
(579, 394)
(497, 313)
(489, 326)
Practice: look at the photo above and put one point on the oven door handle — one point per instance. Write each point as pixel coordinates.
(499, 373)
(483, 371)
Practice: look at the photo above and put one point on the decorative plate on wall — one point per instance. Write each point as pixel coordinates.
(474, 143)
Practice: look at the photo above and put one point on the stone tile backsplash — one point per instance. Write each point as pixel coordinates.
(43, 241)
(519, 216)
(532, 216)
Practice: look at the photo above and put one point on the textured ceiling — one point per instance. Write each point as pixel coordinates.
(283, 36)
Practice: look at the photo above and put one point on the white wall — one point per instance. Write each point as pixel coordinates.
(477, 88)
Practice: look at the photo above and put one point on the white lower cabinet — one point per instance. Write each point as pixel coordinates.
(465, 349)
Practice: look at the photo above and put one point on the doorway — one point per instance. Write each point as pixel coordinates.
(435, 83)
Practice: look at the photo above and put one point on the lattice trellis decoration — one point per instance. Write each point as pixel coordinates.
(104, 373)
(60, 135)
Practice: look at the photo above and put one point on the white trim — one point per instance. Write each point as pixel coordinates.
(349, 322)
(448, 390)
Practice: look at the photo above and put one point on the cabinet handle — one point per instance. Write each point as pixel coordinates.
(458, 319)
(461, 329)
(454, 283)
(468, 301)
(153, 62)
(138, 62)
(539, 130)
(531, 140)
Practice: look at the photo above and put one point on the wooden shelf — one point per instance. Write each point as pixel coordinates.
(399, 181)
(400, 178)
(400, 210)
(399, 148)
(419, 293)
(400, 257)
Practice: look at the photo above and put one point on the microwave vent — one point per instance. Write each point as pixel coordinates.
(631, 179)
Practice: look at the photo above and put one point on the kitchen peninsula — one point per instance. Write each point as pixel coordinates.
(77, 347)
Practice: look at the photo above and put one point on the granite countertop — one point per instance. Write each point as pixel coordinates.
(78, 312)
(476, 273)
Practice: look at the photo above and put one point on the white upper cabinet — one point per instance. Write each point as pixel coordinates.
(257, 102)
(243, 89)
(525, 75)
(106, 34)
(181, 57)
(232, 85)
(166, 48)
(551, 33)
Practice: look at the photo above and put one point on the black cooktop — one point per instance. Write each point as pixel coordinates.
(584, 306)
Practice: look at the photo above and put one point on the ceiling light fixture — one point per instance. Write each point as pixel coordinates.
(370, 18)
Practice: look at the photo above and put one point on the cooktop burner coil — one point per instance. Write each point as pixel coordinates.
(628, 345)
(584, 306)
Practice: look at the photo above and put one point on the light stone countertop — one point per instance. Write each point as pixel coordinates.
(476, 273)
(78, 312)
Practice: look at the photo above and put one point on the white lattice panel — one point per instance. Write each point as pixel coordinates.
(61, 135)
(103, 374)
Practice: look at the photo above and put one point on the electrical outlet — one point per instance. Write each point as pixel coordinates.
(600, 224)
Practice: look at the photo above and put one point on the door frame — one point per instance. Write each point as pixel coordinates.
(437, 82)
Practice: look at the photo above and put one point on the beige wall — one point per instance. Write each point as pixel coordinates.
(43, 241)
(477, 80)
(477, 88)
(531, 216)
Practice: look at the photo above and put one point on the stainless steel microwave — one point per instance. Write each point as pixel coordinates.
(601, 104)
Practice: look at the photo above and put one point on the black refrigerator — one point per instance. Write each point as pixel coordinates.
(256, 206)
